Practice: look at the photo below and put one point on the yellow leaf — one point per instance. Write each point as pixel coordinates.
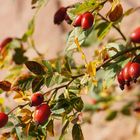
(77, 44)
(26, 119)
(27, 128)
(83, 57)
(50, 128)
(91, 68)
(80, 49)
(25, 111)
(96, 53)
(1, 100)
(104, 86)
(104, 94)
(94, 81)
(18, 96)
(26, 115)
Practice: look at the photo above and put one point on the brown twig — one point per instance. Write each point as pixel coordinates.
(78, 76)
(19, 106)
(65, 85)
(34, 47)
(117, 55)
(120, 32)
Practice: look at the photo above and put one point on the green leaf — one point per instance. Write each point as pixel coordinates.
(37, 83)
(68, 63)
(50, 80)
(50, 128)
(126, 109)
(131, 11)
(48, 65)
(90, 107)
(30, 30)
(103, 29)
(9, 124)
(23, 82)
(77, 132)
(54, 79)
(89, 5)
(77, 103)
(64, 130)
(16, 43)
(18, 132)
(35, 67)
(80, 34)
(59, 79)
(114, 48)
(19, 57)
(62, 106)
(110, 73)
(73, 90)
(111, 116)
(58, 66)
(91, 40)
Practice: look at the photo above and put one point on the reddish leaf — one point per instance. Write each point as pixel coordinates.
(77, 132)
(116, 13)
(5, 85)
(5, 42)
(35, 67)
(23, 82)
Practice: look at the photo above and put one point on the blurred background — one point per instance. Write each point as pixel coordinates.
(50, 39)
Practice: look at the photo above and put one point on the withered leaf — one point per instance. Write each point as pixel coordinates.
(5, 85)
(23, 82)
(35, 67)
(115, 13)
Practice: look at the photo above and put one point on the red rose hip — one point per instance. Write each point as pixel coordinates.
(121, 79)
(3, 119)
(42, 113)
(37, 99)
(134, 71)
(77, 21)
(125, 73)
(87, 20)
(135, 36)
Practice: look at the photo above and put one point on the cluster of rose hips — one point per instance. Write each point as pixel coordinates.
(84, 20)
(130, 72)
(41, 114)
(42, 111)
